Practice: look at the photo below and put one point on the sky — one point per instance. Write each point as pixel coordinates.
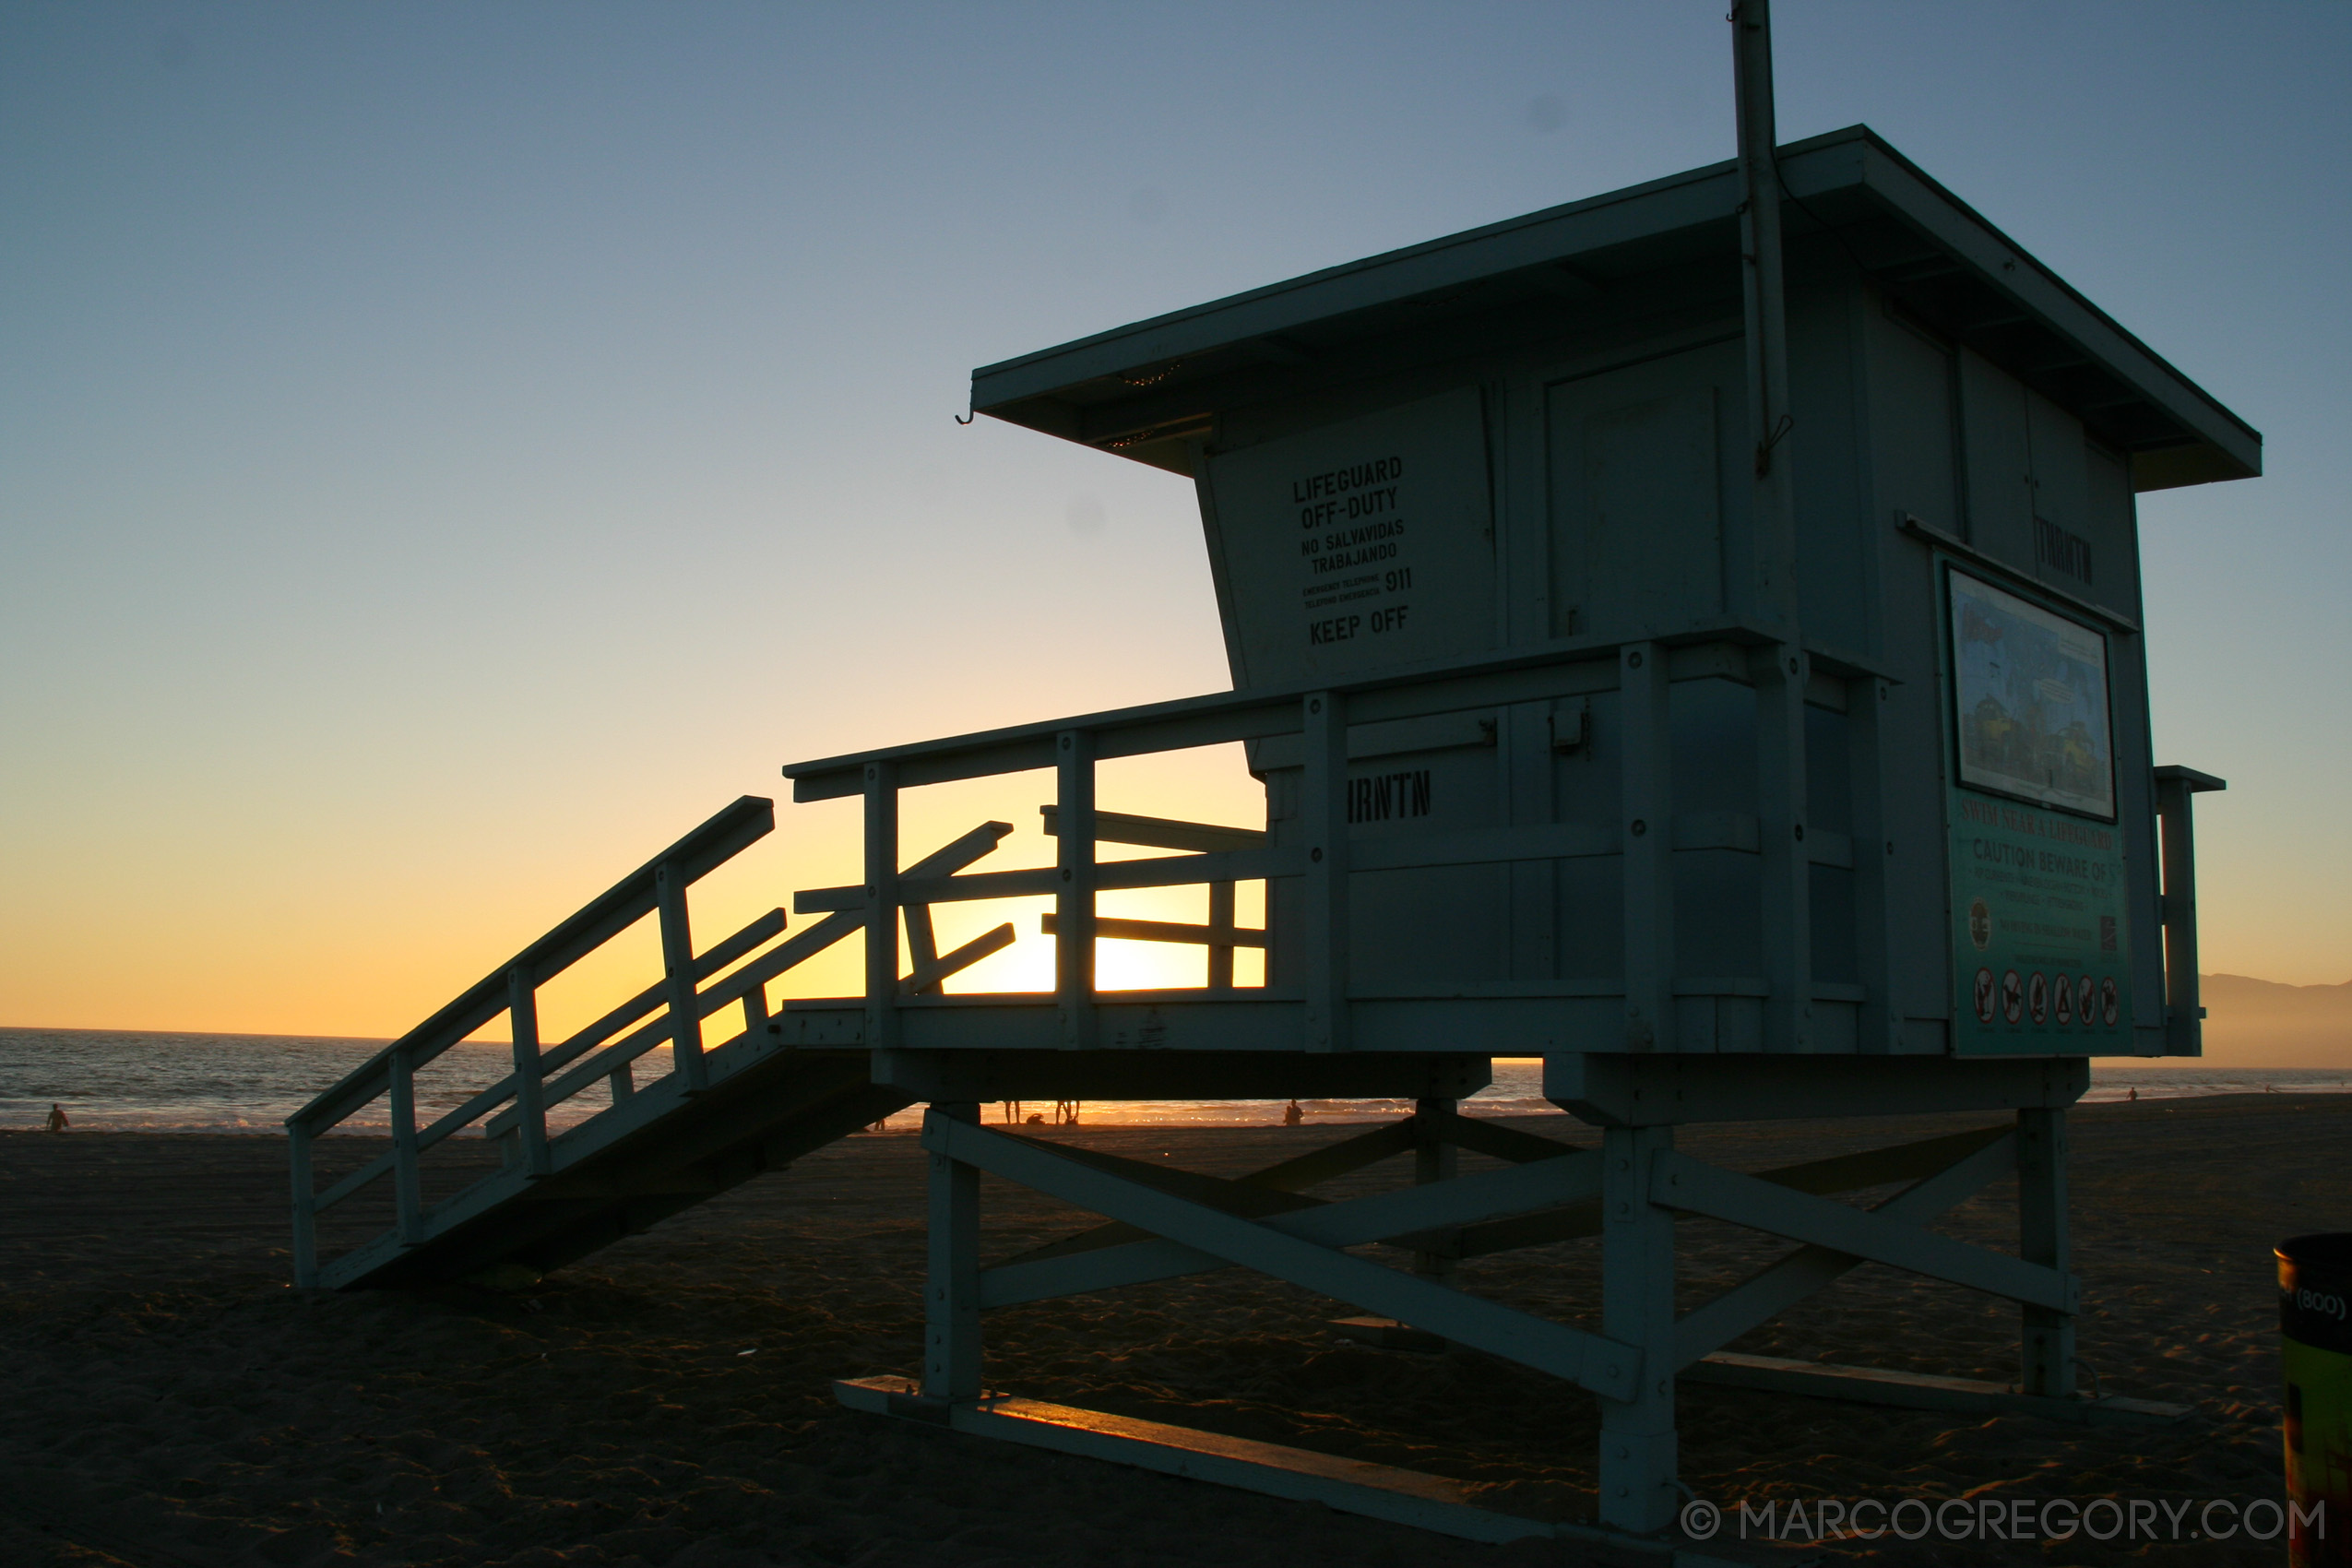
(447, 451)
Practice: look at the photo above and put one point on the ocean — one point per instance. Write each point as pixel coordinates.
(135, 1081)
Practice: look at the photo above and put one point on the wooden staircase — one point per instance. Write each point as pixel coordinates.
(720, 1116)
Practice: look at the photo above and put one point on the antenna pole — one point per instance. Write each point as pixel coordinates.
(1769, 420)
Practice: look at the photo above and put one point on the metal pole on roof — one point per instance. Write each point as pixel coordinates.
(1769, 420)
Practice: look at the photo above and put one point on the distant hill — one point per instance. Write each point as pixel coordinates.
(2258, 1023)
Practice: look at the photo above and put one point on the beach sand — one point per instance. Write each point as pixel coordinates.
(170, 1401)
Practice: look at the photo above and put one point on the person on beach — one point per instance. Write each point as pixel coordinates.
(57, 1122)
(1293, 1115)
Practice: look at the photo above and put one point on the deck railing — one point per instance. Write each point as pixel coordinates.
(1318, 720)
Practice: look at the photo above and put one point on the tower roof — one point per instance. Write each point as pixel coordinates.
(1148, 391)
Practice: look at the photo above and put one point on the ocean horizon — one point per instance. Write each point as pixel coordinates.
(153, 1081)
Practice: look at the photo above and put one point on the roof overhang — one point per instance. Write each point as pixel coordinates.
(1149, 391)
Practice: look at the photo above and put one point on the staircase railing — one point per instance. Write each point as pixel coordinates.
(671, 1012)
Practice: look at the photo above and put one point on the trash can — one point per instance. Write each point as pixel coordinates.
(2315, 1355)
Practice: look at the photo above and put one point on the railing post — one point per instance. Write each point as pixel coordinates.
(1221, 917)
(1788, 905)
(2176, 904)
(678, 976)
(1073, 905)
(1646, 798)
(408, 1187)
(305, 1208)
(530, 1102)
(951, 1290)
(882, 905)
(1323, 807)
(1638, 1451)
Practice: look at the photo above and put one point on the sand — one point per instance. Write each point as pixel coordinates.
(170, 1401)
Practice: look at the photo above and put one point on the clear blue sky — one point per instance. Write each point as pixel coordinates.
(446, 450)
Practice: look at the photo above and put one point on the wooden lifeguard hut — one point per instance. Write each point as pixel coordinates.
(1692, 635)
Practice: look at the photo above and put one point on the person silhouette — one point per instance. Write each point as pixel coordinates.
(1293, 1115)
(57, 1122)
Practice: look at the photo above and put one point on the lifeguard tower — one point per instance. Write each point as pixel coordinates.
(1708, 659)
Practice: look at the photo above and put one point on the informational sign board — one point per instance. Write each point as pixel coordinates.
(1361, 545)
(2042, 949)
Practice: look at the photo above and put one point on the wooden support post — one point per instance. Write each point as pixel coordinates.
(1220, 918)
(1787, 868)
(1637, 1441)
(305, 1206)
(882, 905)
(2042, 1238)
(951, 1292)
(1324, 925)
(408, 1186)
(1435, 1158)
(678, 976)
(1647, 801)
(530, 1099)
(2183, 1012)
(1074, 904)
(622, 1081)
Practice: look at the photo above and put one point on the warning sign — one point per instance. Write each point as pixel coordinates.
(2040, 962)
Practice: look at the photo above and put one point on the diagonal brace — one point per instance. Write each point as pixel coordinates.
(1781, 1284)
(1680, 1181)
(1601, 1365)
(1356, 1221)
(1244, 1195)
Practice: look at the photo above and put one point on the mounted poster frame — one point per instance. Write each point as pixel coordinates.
(2040, 941)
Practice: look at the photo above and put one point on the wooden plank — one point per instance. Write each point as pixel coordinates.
(1112, 928)
(1922, 1391)
(1164, 871)
(1352, 1486)
(1164, 833)
(1483, 681)
(1588, 1360)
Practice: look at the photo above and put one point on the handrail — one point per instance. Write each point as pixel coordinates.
(1580, 668)
(580, 1052)
(586, 1040)
(745, 822)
